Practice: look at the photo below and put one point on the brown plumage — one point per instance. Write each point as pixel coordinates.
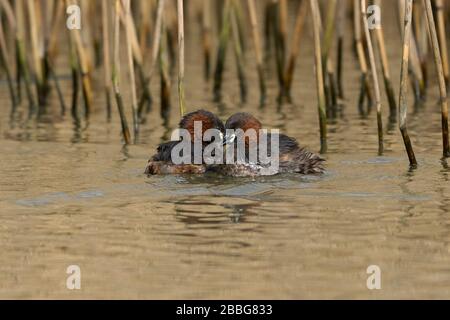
(292, 157)
(164, 167)
(208, 119)
(161, 162)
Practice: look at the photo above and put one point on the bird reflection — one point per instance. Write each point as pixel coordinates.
(210, 215)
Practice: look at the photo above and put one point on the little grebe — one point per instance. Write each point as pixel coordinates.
(161, 162)
(292, 157)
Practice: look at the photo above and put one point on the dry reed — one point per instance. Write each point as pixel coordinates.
(386, 71)
(221, 51)
(116, 74)
(441, 75)
(365, 86)
(295, 48)
(206, 35)
(374, 77)
(128, 38)
(403, 105)
(106, 55)
(181, 57)
(257, 46)
(319, 76)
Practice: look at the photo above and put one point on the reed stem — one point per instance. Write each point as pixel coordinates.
(365, 86)
(128, 38)
(75, 77)
(116, 75)
(83, 64)
(342, 7)
(440, 20)
(206, 33)
(138, 64)
(374, 77)
(278, 24)
(157, 37)
(6, 60)
(329, 29)
(441, 75)
(106, 56)
(330, 85)
(238, 54)
(403, 104)
(84, 71)
(283, 28)
(319, 76)
(37, 59)
(421, 33)
(22, 63)
(238, 11)
(386, 71)
(417, 81)
(221, 52)
(258, 48)
(164, 74)
(50, 50)
(181, 99)
(9, 13)
(295, 48)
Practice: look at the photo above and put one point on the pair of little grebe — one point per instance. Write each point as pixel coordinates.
(291, 157)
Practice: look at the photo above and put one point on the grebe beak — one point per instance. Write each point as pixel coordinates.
(229, 138)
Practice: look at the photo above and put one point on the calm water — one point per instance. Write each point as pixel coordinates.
(74, 195)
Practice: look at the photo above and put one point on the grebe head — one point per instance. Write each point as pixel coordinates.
(243, 121)
(208, 120)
